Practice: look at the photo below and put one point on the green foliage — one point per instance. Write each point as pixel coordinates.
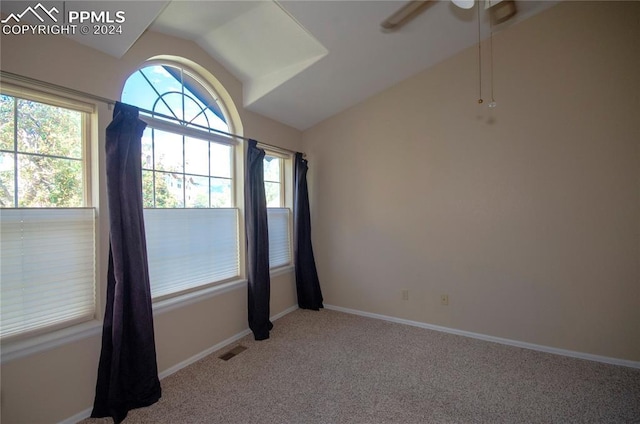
(6, 122)
(6, 143)
(272, 194)
(163, 196)
(49, 154)
(49, 130)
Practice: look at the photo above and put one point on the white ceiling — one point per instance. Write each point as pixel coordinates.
(301, 61)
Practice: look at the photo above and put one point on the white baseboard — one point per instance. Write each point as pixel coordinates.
(177, 367)
(283, 313)
(516, 343)
(218, 346)
(87, 412)
(78, 417)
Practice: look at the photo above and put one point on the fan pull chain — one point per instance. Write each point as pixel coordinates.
(492, 104)
(479, 60)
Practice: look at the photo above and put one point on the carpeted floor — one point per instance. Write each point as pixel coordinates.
(331, 367)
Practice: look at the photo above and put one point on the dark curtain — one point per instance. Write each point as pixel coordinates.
(307, 283)
(259, 283)
(127, 371)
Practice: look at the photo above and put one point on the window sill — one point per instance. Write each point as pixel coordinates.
(281, 270)
(189, 298)
(17, 349)
(20, 348)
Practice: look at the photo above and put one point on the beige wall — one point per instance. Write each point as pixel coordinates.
(527, 217)
(56, 384)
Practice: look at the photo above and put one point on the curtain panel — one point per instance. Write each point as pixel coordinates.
(257, 238)
(307, 282)
(127, 371)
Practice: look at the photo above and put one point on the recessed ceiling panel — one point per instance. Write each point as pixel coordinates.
(257, 41)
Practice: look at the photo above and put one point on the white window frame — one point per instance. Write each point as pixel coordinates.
(160, 293)
(192, 286)
(36, 335)
(286, 206)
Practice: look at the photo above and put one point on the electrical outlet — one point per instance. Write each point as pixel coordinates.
(444, 299)
(405, 294)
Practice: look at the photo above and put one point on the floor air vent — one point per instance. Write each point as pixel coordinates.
(233, 352)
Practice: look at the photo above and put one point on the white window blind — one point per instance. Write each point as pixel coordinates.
(279, 239)
(47, 268)
(189, 248)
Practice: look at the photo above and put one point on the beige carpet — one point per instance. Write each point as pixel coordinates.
(331, 367)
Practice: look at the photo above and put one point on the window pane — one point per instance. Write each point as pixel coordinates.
(7, 180)
(167, 151)
(44, 181)
(217, 123)
(173, 100)
(49, 130)
(272, 181)
(168, 190)
(279, 239)
(162, 108)
(167, 97)
(137, 91)
(162, 80)
(194, 111)
(196, 156)
(272, 192)
(220, 160)
(147, 189)
(147, 148)
(271, 169)
(221, 193)
(196, 90)
(190, 247)
(48, 266)
(6, 122)
(197, 192)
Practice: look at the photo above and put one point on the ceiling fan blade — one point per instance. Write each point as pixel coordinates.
(403, 15)
(501, 10)
(463, 4)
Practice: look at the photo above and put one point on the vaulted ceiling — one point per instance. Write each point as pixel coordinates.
(301, 61)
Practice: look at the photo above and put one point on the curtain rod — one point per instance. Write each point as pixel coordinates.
(110, 102)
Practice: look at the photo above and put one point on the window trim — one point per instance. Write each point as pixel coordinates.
(286, 173)
(182, 128)
(88, 110)
(214, 87)
(46, 96)
(13, 346)
(286, 194)
(163, 125)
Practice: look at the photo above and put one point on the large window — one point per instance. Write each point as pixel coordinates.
(188, 180)
(47, 229)
(279, 216)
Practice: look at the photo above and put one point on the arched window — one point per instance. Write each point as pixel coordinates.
(177, 92)
(191, 219)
